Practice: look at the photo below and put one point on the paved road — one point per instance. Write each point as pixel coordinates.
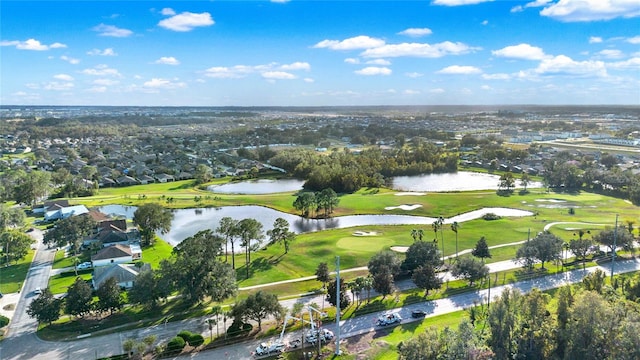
(24, 345)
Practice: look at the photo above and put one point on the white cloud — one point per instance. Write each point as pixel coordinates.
(358, 42)
(308, 80)
(186, 21)
(101, 70)
(485, 87)
(634, 40)
(564, 65)
(485, 22)
(591, 10)
(521, 51)
(167, 12)
(416, 32)
(278, 75)
(97, 89)
(273, 70)
(633, 63)
(105, 52)
(382, 62)
(459, 70)
(70, 60)
(58, 86)
(31, 44)
(63, 77)
(111, 31)
(595, 40)
(159, 83)
(499, 76)
(167, 60)
(296, 66)
(611, 54)
(414, 74)
(411, 92)
(436, 91)
(419, 50)
(536, 3)
(280, 1)
(458, 2)
(105, 82)
(373, 70)
(352, 61)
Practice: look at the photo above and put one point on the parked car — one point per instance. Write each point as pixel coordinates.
(37, 291)
(85, 265)
(418, 313)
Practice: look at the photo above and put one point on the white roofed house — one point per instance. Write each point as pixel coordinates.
(116, 254)
(65, 212)
(125, 274)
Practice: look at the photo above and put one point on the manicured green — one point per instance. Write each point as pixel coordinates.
(58, 284)
(157, 252)
(12, 277)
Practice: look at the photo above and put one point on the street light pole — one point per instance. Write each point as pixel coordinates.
(338, 352)
(613, 258)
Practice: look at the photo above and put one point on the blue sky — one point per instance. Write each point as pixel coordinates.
(319, 53)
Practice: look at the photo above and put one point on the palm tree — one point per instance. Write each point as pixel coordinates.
(454, 228)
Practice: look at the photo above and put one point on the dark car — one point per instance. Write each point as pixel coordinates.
(418, 313)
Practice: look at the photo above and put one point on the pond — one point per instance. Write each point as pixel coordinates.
(262, 186)
(187, 222)
(459, 181)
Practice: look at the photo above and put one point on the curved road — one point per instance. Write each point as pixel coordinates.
(22, 343)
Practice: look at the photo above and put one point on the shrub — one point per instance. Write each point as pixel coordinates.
(185, 335)
(196, 340)
(238, 328)
(490, 216)
(175, 345)
(3, 321)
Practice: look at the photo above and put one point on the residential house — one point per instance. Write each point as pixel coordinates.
(116, 254)
(125, 274)
(65, 212)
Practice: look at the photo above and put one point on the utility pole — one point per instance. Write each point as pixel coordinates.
(613, 258)
(338, 352)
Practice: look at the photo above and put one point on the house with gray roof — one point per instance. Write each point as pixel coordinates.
(125, 274)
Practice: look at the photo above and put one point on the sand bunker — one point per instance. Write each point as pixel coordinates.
(404, 207)
(410, 193)
(365, 233)
(400, 249)
(551, 200)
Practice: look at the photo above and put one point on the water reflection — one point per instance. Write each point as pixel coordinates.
(459, 181)
(187, 222)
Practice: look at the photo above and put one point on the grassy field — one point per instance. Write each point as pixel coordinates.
(58, 284)
(12, 277)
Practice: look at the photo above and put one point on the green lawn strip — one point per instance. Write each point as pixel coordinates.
(61, 262)
(131, 317)
(58, 284)
(160, 250)
(12, 276)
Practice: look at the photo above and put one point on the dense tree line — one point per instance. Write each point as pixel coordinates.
(590, 322)
(346, 171)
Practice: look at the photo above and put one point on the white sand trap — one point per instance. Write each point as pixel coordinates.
(365, 233)
(551, 200)
(404, 207)
(400, 249)
(410, 194)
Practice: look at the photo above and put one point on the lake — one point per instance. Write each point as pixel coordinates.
(459, 181)
(187, 222)
(262, 186)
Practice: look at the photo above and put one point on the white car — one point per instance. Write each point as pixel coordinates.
(389, 319)
(85, 265)
(269, 348)
(37, 291)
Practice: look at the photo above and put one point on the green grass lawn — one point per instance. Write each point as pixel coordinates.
(157, 252)
(12, 277)
(58, 284)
